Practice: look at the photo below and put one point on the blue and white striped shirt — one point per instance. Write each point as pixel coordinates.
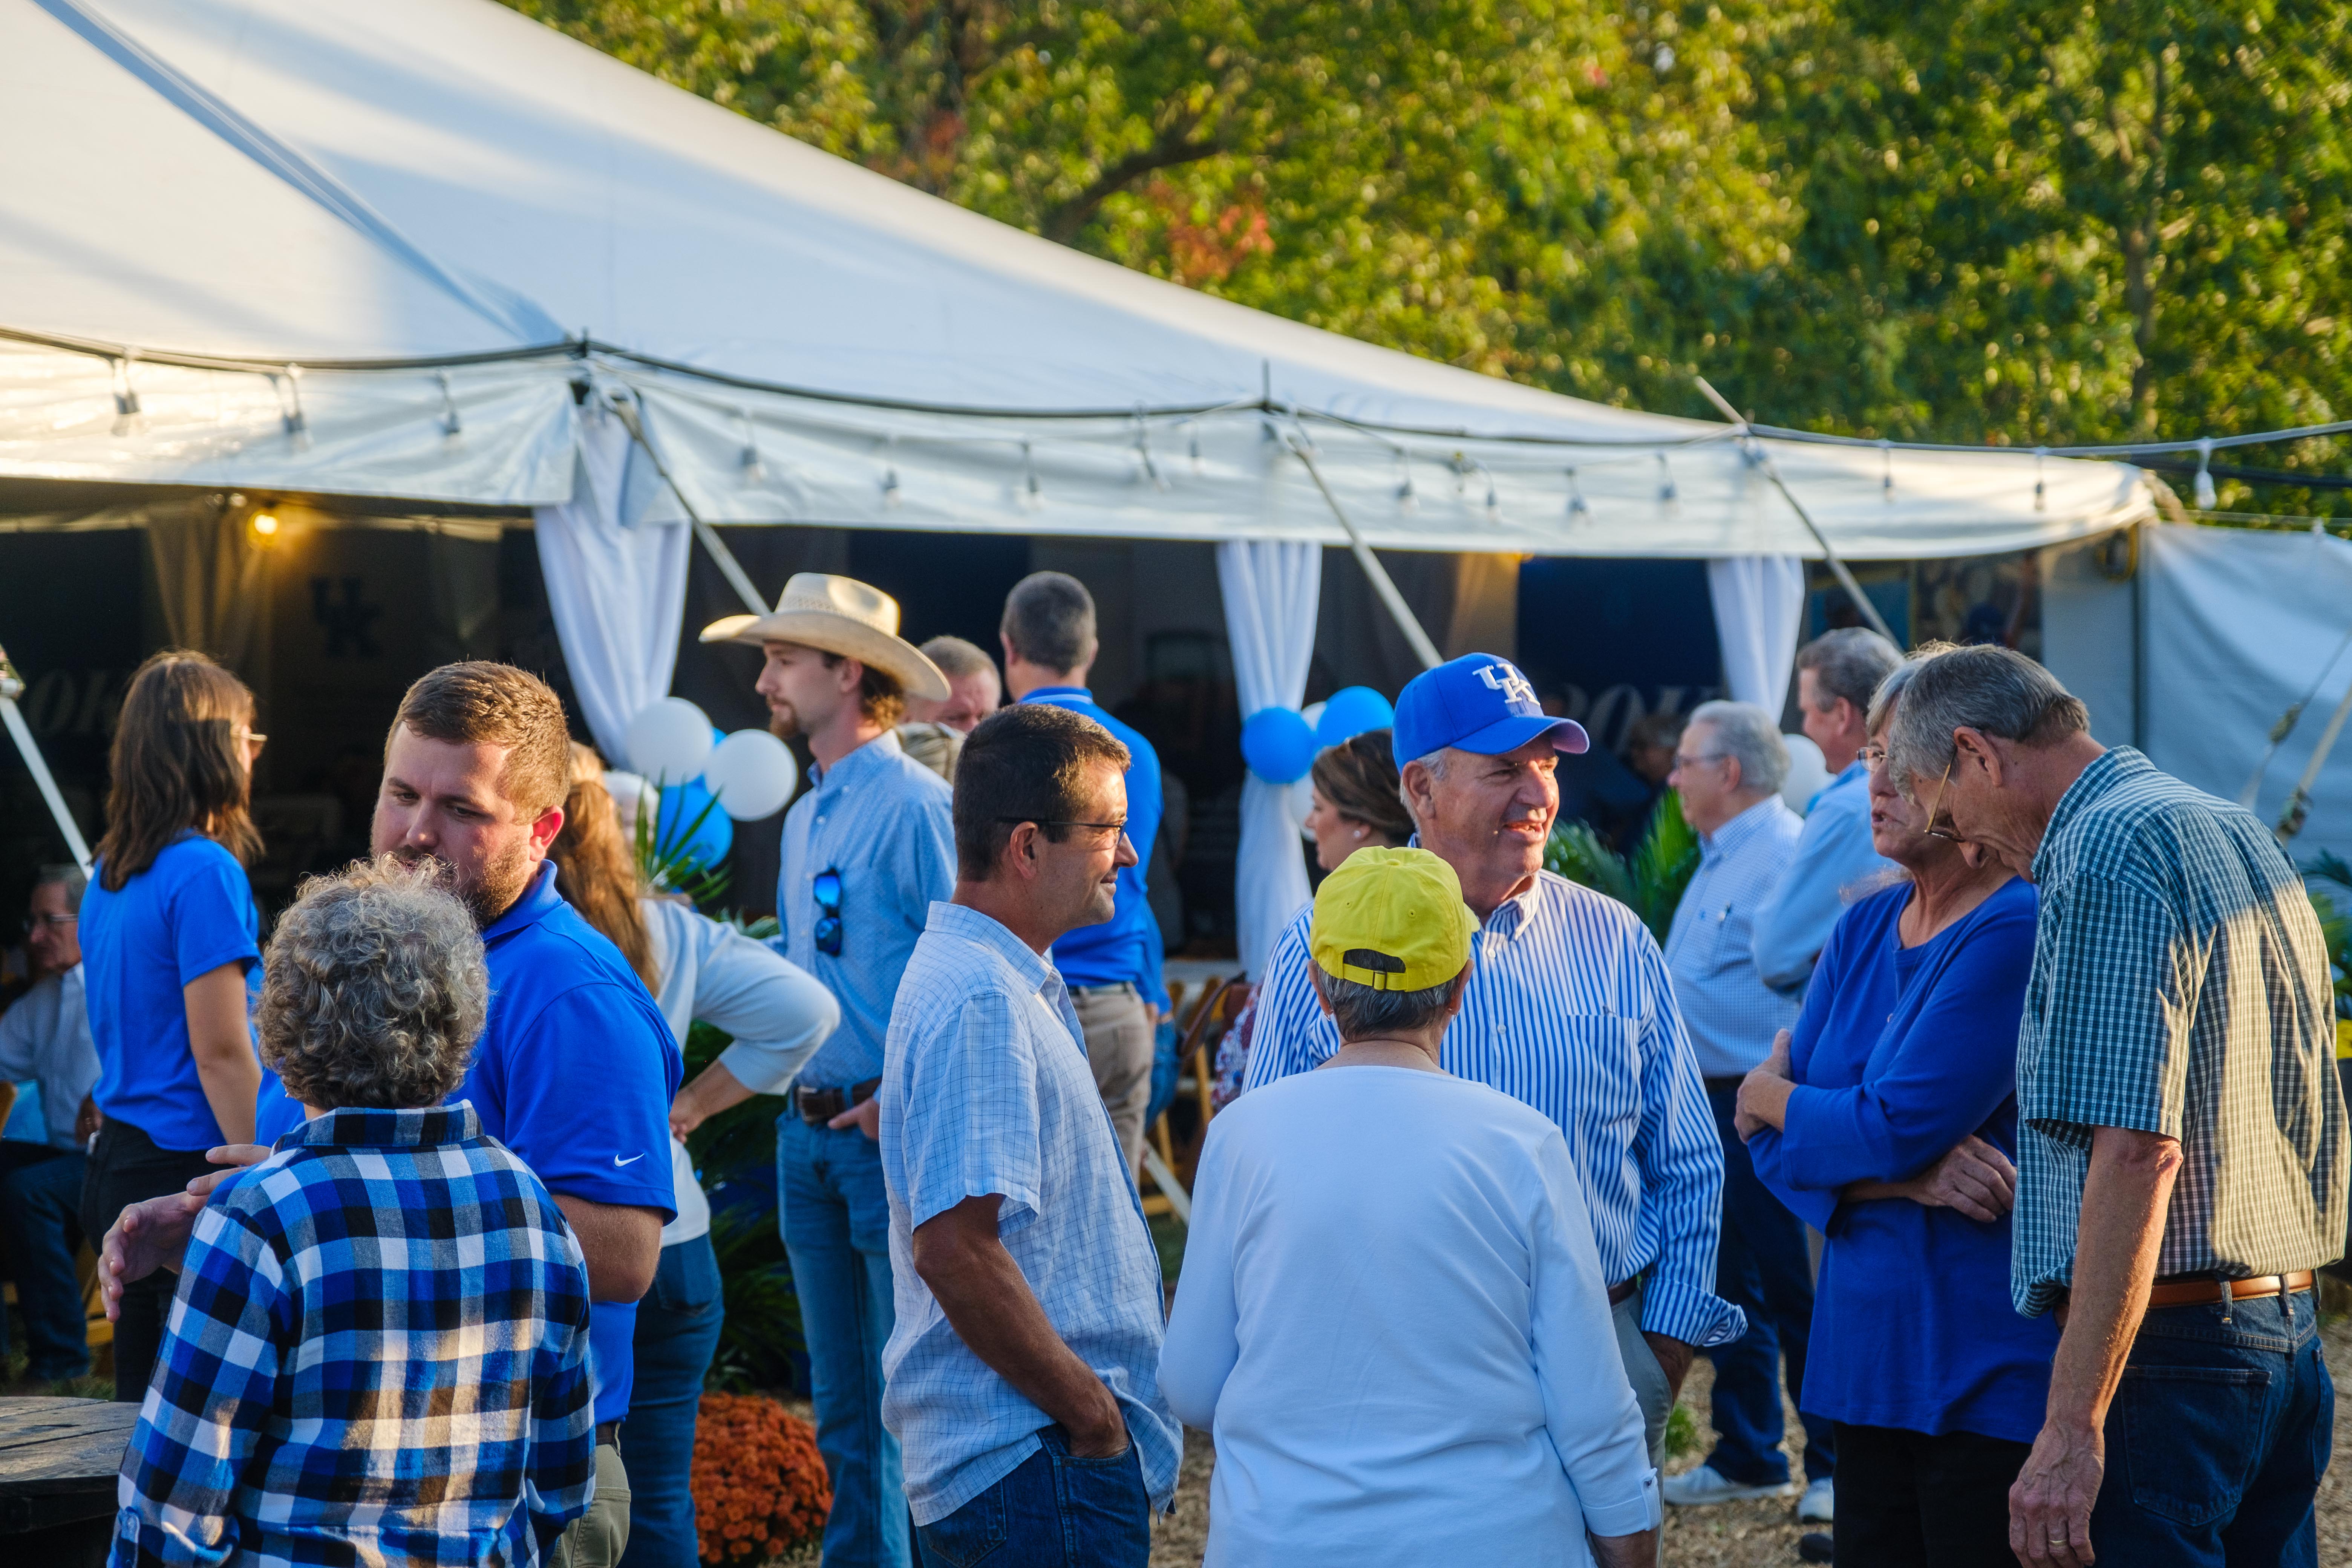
(1569, 1010)
(1730, 1013)
(986, 1090)
(880, 818)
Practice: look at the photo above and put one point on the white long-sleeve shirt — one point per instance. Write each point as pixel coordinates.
(777, 1011)
(1393, 1320)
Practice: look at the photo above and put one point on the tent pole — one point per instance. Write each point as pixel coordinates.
(1853, 589)
(12, 686)
(728, 567)
(1423, 649)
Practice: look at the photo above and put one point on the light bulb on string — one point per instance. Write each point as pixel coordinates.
(1149, 471)
(1032, 494)
(1577, 505)
(1407, 497)
(1666, 491)
(126, 397)
(1887, 483)
(290, 405)
(1494, 505)
(754, 466)
(1195, 428)
(890, 484)
(2041, 490)
(2206, 499)
(451, 425)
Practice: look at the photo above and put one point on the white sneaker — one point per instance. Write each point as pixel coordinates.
(1819, 1505)
(1703, 1488)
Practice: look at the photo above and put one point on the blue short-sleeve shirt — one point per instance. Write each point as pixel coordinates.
(184, 916)
(1126, 947)
(575, 1072)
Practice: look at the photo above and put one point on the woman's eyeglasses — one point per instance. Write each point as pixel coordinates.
(1874, 759)
(827, 888)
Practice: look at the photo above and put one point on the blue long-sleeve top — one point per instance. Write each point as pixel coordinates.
(1899, 1054)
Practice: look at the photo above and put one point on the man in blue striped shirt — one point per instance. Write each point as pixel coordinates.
(1569, 1010)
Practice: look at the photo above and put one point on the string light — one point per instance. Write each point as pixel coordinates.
(2041, 490)
(1032, 494)
(1577, 506)
(1887, 484)
(1150, 470)
(290, 405)
(451, 425)
(755, 471)
(1195, 427)
(126, 397)
(1666, 491)
(265, 524)
(2206, 499)
(1408, 499)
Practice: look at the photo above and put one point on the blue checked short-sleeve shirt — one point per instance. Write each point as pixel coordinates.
(378, 1353)
(985, 1090)
(2181, 987)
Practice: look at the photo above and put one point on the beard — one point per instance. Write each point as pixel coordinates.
(783, 722)
(490, 891)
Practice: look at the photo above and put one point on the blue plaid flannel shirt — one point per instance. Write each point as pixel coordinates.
(378, 1353)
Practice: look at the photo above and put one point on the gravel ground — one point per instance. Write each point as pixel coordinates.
(1759, 1534)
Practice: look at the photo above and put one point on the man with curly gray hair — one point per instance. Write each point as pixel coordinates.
(379, 1340)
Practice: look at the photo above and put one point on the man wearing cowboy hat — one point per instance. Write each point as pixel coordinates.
(865, 853)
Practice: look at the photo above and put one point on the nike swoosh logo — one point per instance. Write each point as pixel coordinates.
(630, 1161)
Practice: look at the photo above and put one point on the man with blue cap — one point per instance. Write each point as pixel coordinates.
(1569, 1010)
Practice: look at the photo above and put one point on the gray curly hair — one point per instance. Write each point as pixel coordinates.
(373, 989)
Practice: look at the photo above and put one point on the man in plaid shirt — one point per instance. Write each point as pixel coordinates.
(378, 1348)
(2181, 1138)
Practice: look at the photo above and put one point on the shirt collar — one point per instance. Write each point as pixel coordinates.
(426, 1127)
(1512, 910)
(1727, 839)
(1847, 774)
(537, 902)
(859, 762)
(1043, 692)
(2106, 770)
(962, 921)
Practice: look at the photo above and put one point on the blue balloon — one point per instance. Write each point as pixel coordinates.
(675, 829)
(1350, 712)
(1278, 744)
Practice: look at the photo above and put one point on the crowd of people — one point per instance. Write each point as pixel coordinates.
(408, 1261)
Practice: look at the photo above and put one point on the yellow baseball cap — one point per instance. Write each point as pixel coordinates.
(1392, 920)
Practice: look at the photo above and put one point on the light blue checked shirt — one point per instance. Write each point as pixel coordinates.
(985, 1090)
(1569, 1010)
(880, 818)
(2181, 987)
(1731, 1014)
(1835, 863)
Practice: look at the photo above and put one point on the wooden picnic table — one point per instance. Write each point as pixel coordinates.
(58, 1458)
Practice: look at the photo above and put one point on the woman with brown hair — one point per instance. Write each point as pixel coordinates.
(697, 968)
(170, 938)
(1356, 801)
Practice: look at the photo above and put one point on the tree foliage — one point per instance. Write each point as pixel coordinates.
(1989, 221)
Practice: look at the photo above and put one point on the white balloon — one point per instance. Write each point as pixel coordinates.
(1808, 773)
(1313, 714)
(1298, 799)
(669, 741)
(631, 794)
(753, 773)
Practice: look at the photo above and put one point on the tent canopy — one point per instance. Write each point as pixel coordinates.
(324, 247)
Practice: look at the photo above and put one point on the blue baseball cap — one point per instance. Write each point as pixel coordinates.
(1479, 703)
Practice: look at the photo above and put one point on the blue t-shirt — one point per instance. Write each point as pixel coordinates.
(575, 1072)
(184, 916)
(1126, 946)
(1899, 1054)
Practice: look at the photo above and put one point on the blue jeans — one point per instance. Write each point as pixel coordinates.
(1762, 1266)
(2217, 1437)
(677, 1328)
(837, 1228)
(40, 1225)
(1052, 1511)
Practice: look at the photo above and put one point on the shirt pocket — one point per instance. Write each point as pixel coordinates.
(1601, 1071)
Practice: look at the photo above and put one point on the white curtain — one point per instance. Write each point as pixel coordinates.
(1271, 593)
(213, 582)
(1758, 601)
(618, 592)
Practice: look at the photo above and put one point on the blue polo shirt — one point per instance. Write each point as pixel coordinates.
(188, 913)
(1128, 945)
(575, 1072)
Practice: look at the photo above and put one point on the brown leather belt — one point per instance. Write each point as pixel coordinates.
(608, 1436)
(1618, 1294)
(819, 1106)
(2203, 1292)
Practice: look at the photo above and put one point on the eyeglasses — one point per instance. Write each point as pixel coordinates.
(1684, 760)
(1931, 831)
(827, 888)
(252, 740)
(1872, 757)
(33, 923)
(1115, 829)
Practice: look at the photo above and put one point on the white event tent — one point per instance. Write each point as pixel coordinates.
(438, 254)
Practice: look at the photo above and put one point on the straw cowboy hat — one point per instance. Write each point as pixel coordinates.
(840, 616)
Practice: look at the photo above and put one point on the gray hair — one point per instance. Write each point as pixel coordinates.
(1435, 762)
(1049, 620)
(1849, 662)
(958, 659)
(1745, 733)
(1362, 1010)
(1890, 690)
(1986, 688)
(373, 988)
(70, 878)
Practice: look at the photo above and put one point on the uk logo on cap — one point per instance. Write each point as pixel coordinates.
(1480, 702)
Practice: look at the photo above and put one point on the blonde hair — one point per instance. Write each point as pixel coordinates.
(596, 870)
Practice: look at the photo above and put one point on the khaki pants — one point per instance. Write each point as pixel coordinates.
(597, 1537)
(1118, 1026)
(1651, 1390)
